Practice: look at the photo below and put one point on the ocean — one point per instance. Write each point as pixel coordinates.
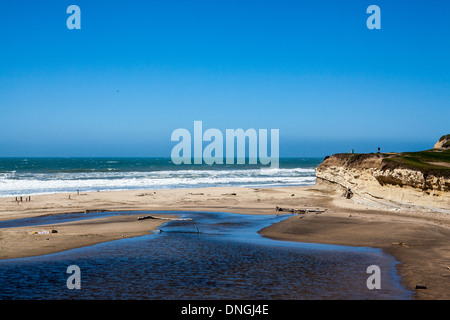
(31, 176)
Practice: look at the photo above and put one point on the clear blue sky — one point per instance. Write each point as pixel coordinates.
(137, 70)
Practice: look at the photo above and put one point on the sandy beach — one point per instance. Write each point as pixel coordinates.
(417, 239)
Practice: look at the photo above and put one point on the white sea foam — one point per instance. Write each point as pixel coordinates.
(13, 183)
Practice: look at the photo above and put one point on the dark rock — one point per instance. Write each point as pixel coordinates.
(421, 286)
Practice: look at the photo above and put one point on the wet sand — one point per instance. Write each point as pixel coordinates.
(417, 239)
(24, 242)
(421, 246)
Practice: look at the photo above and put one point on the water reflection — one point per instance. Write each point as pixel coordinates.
(215, 256)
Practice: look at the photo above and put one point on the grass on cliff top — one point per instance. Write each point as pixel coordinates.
(436, 162)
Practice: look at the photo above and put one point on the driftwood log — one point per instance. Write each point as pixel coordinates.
(299, 211)
(146, 217)
(162, 218)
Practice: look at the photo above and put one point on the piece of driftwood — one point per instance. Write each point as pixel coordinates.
(299, 211)
(146, 217)
(162, 218)
(421, 286)
(403, 244)
(95, 210)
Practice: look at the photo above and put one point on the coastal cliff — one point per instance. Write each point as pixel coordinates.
(416, 180)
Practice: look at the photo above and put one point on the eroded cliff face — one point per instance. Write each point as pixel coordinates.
(443, 143)
(373, 181)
